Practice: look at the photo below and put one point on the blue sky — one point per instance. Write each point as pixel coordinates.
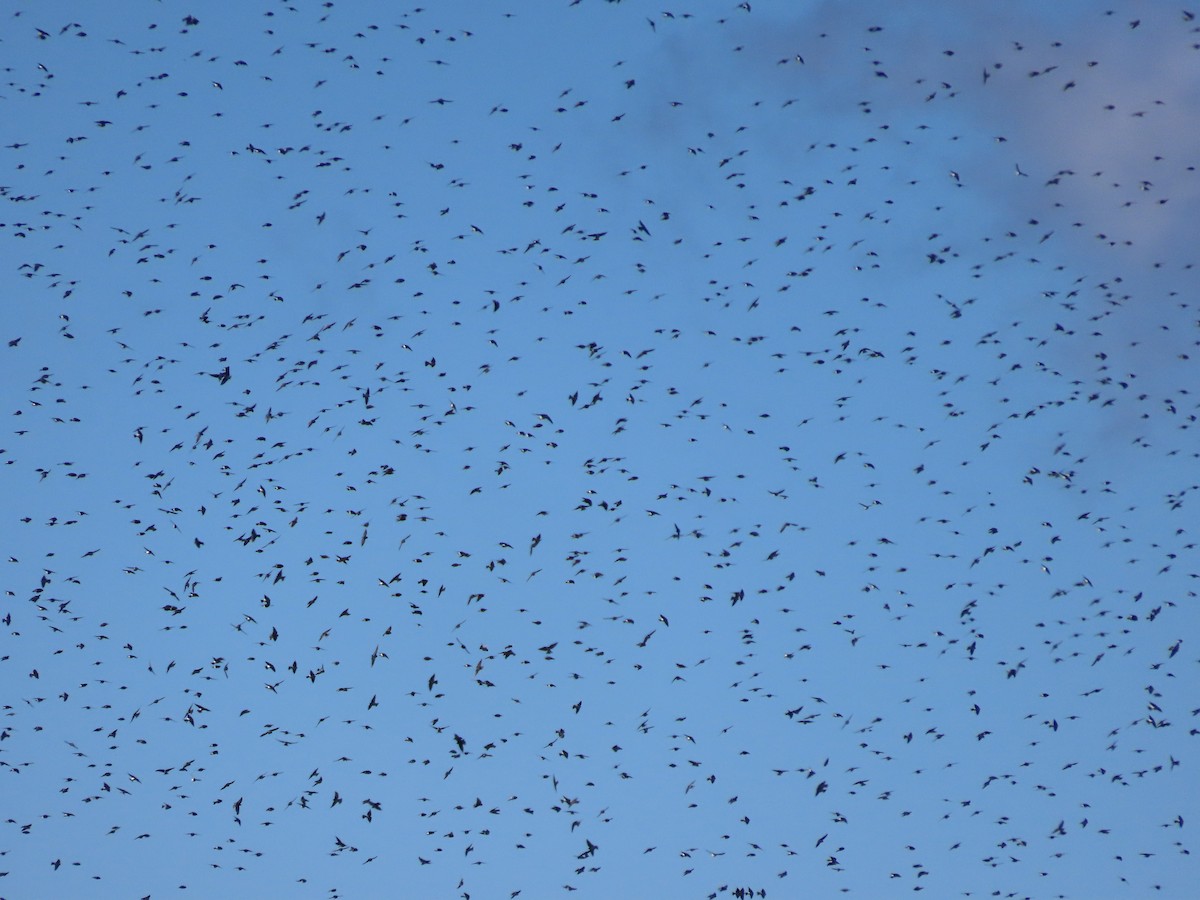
(756, 442)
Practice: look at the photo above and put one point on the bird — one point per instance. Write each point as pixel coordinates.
(746, 323)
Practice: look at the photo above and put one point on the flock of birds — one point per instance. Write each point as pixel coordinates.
(739, 451)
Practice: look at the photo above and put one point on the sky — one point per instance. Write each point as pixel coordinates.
(581, 448)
